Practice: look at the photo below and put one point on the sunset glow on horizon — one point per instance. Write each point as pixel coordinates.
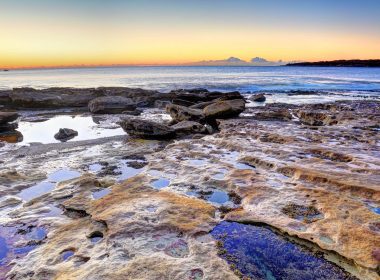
(46, 33)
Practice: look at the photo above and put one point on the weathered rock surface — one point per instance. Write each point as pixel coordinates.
(182, 113)
(224, 109)
(317, 118)
(65, 134)
(111, 105)
(203, 95)
(189, 127)
(146, 129)
(316, 184)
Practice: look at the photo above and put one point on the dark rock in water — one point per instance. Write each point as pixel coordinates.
(161, 104)
(111, 105)
(65, 134)
(146, 129)
(6, 117)
(224, 109)
(202, 105)
(317, 118)
(258, 98)
(257, 252)
(189, 127)
(182, 113)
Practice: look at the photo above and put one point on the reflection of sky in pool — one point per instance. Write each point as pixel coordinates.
(259, 253)
(44, 132)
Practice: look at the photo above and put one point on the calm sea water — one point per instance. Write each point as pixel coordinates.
(245, 79)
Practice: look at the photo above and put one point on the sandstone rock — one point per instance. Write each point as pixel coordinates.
(189, 127)
(146, 129)
(6, 117)
(111, 105)
(224, 109)
(65, 134)
(182, 113)
(258, 98)
(11, 136)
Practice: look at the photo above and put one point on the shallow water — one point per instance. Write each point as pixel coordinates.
(49, 184)
(259, 253)
(43, 132)
(160, 183)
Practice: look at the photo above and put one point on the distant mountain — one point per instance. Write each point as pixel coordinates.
(234, 61)
(340, 63)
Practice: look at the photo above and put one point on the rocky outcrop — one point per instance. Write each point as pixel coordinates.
(203, 95)
(111, 105)
(258, 98)
(65, 134)
(8, 132)
(6, 117)
(189, 127)
(146, 129)
(74, 97)
(224, 109)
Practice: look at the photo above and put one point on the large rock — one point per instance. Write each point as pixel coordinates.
(203, 95)
(258, 98)
(189, 127)
(6, 117)
(146, 129)
(65, 134)
(224, 109)
(182, 113)
(111, 105)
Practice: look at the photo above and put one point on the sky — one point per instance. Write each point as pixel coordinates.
(48, 33)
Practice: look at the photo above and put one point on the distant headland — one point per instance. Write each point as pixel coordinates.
(340, 63)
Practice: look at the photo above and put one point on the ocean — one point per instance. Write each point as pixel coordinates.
(341, 81)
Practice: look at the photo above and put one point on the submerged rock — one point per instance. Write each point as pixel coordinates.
(65, 134)
(224, 109)
(258, 98)
(111, 105)
(146, 129)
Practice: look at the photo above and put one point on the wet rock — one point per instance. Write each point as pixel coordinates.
(317, 118)
(135, 112)
(308, 214)
(8, 127)
(189, 127)
(182, 102)
(65, 134)
(111, 105)
(146, 129)
(182, 113)
(258, 98)
(272, 114)
(224, 109)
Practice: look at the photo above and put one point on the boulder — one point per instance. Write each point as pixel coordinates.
(6, 117)
(189, 127)
(224, 109)
(258, 98)
(182, 113)
(146, 129)
(11, 136)
(111, 105)
(65, 134)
